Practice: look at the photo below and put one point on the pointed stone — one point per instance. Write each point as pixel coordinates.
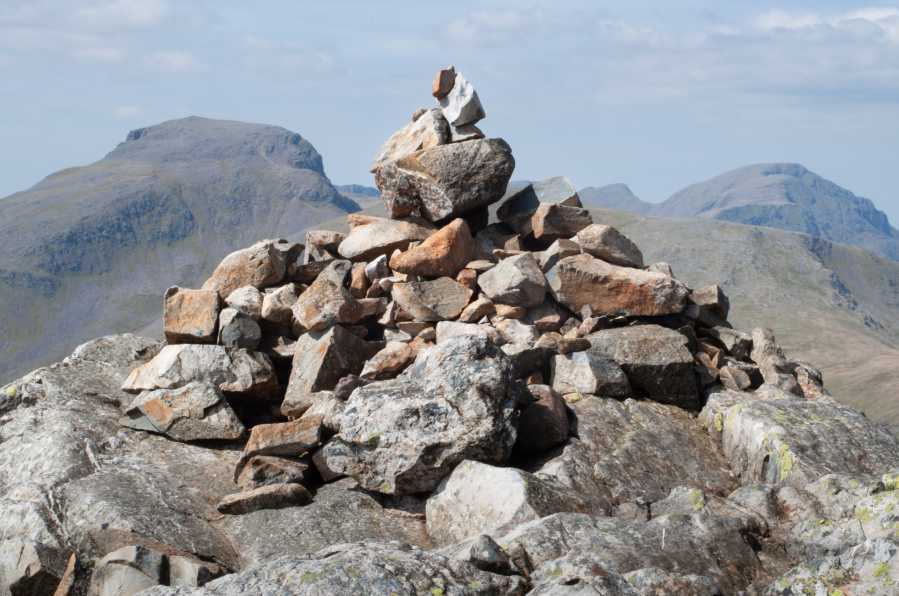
(610, 245)
(461, 105)
(429, 130)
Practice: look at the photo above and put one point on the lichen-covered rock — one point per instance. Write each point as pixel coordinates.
(404, 435)
(876, 514)
(477, 497)
(606, 243)
(587, 372)
(437, 300)
(233, 371)
(654, 358)
(655, 582)
(371, 568)
(516, 281)
(607, 289)
(190, 316)
(796, 442)
(260, 265)
(196, 411)
(579, 574)
(814, 538)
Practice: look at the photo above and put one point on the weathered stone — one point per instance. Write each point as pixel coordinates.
(734, 378)
(128, 571)
(686, 500)
(461, 105)
(261, 265)
(30, 568)
(358, 281)
(238, 330)
(233, 371)
(444, 254)
(544, 423)
(468, 278)
(436, 300)
(567, 345)
(196, 411)
(481, 266)
(308, 273)
(478, 497)
(586, 372)
(477, 310)
(552, 221)
(702, 317)
(653, 582)
(392, 360)
(661, 267)
(504, 311)
(447, 330)
(518, 331)
(322, 358)
(487, 555)
(381, 237)
(275, 496)
(772, 363)
(796, 442)
(810, 539)
(516, 281)
(296, 404)
(396, 335)
(517, 210)
(444, 82)
(190, 316)
(738, 344)
(466, 132)
(248, 299)
(610, 245)
(321, 245)
(558, 250)
(608, 289)
(585, 573)
(654, 359)
(375, 568)
(277, 305)
(713, 299)
(456, 402)
(324, 305)
(284, 438)
(265, 470)
(337, 272)
(330, 409)
(377, 269)
(546, 317)
(429, 130)
(278, 348)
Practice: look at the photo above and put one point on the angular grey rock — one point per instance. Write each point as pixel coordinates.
(249, 300)
(197, 411)
(447, 181)
(30, 568)
(337, 272)
(278, 348)
(260, 265)
(654, 358)
(517, 210)
(475, 311)
(558, 250)
(611, 290)
(266, 470)
(323, 358)
(734, 378)
(275, 496)
(543, 423)
(650, 582)
(461, 105)
(796, 442)
(277, 306)
(518, 331)
(436, 300)
(233, 371)
(685, 500)
(553, 222)
(487, 555)
(736, 342)
(447, 330)
(238, 330)
(377, 269)
(429, 130)
(324, 305)
(713, 299)
(128, 571)
(478, 497)
(190, 316)
(610, 245)
(330, 408)
(321, 245)
(810, 539)
(381, 237)
(876, 515)
(371, 568)
(466, 132)
(516, 281)
(772, 363)
(582, 573)
(661, 267)
(586, 372)
(547, 317)
(294, 438)
(404, 435)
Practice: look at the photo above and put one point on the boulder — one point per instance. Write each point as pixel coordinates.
(260, 265)
(388, 568)
(197, 411)
(324, 305)
(477, 310)
(655, 359)
(444, 254)
(796, 442)
(381, 237)
(713, 299)
(516, 281)
(190, 316)
(294, 438)
(588, 372)
(242, 372)
(543, 423)
(443, 82)
(277, 306)
(308, 273)
(478, 497)
(558, 250)
(448, 180)
(337, 272)
(772, 363)
(436, 300)
(517, 210)
(610, 245)
(30, 568)
(584, 573)
(461, 105)
(275, 496)
(321, 245)
(607, 289)
(429, 130)
(238, 330)
(653, 582)
(518, 331)
(447, 330)
(404, 435)
(553, 222)
(128, 571)
(322, 358)
(487, 555)
(266, 470)
(248, 299)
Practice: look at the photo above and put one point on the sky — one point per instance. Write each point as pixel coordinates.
(657, 95)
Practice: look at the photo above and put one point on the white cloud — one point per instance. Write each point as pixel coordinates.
(125, 112)
(175, 62)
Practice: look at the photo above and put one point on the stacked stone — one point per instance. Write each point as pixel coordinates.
(413, 343)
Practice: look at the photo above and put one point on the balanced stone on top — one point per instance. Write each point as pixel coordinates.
(444, 82)
(461, 105)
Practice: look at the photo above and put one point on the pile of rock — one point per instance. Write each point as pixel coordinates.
(538, 409)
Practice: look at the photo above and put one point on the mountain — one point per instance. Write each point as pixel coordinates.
(358, 193)
(87, 250)
(783, 196)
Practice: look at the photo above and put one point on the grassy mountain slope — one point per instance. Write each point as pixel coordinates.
(88, 251)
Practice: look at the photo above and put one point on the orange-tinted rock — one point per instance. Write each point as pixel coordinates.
(444, 254)
(478, 309)
(510, 312)
(428, 130)
(263, 264)
(379, 236)
(190, 316)
(358, 281)
(322, 358)
(324, 305)
(443, 82)
(284, 438)
(552, 222)
(468, 278)
(277, 496)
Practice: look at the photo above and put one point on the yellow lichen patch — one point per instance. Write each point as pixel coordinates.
(719, 422)
(697, 499)
(11, 391)
(573, 397)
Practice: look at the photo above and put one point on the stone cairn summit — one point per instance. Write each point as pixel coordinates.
(454, 400)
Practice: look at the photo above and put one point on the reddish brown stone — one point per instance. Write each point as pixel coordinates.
(443, 82)
(468, 278)
(444, 254)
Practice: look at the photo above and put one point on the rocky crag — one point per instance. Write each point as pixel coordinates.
(431, 404)
(86, 250)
